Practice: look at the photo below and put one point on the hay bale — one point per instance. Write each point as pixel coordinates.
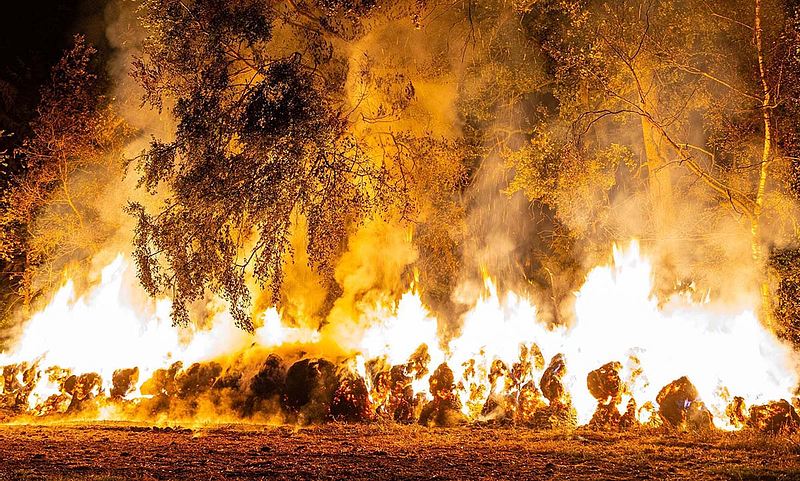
(270, 380)
(736, 411)
(776, 417)
(679, 405)
(529, 401)
(401, 395)
(309, 389)
(445, 408)
(123, 382)
(197, 380)
(351, 401)
(604, 383)
(162, 382)
(551, 382)
(84, 389)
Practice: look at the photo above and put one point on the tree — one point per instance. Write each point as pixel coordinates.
(704, 87)
(48, 213)
(264, 133)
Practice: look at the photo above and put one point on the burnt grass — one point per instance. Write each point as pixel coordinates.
(117, 451)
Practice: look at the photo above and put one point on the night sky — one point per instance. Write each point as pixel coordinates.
(33, 34)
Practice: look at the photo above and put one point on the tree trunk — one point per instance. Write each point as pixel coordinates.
(755, 241)
(659, 180)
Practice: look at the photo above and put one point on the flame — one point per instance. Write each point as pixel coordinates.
(616, 319)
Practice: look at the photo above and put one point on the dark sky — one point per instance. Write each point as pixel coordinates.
(33, 34)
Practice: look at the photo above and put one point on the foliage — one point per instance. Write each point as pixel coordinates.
(262, 135)
(48, 212)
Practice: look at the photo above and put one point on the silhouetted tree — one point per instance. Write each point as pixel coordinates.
(49, 211)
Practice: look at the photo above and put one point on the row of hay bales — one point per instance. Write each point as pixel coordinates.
(316, 390)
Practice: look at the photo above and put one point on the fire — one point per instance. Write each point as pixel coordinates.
(623, 355)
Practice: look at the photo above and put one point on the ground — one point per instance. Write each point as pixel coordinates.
(115, 451)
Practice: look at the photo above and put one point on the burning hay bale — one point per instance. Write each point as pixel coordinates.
(197, 380)
(680, 406)
(776, 417)
(83, 389)
(264, 390)
(445, 408)
(401, 395)
(736, 412)
(529, 402)
(559, 412)
(501, 403)
(309, 390)
(59, 402)
(473, 383)
(123, 382)
(527, 397)
(351, 400)
(551, 382)
(270, 380)
(18, 383)
(605, 385)
(161, 387)
(162, 382)
(392, 391)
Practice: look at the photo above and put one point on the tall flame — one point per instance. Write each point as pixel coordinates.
(616, 319)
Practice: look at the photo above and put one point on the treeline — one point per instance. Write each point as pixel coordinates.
(523, 137)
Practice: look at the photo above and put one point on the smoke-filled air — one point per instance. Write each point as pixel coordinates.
(534, 213)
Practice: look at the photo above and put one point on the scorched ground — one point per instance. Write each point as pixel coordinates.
(117, 451)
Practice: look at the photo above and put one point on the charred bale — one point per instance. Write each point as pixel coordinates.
(679, 405)
(123, 382)
(551, 383)
(736, 411)
(230, 379)
(604, 383)
(401, 397)
(445, 408)
(270, 380)
(351, 400)
(197, 380)
(776, 417)
(501, 403)
(264, 390)
(310, 387)
(84, 389)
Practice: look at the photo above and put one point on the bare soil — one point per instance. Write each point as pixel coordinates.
(117, 451)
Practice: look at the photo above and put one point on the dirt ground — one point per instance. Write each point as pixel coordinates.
(115, 451)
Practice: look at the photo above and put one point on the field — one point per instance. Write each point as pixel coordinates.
(117, 451)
